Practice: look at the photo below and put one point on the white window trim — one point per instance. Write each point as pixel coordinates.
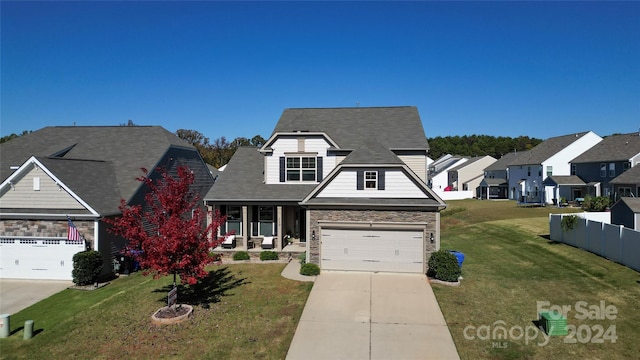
(373, 180)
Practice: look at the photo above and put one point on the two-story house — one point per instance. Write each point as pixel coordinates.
(79, 173)
(348, 182)
(549, 158)
(467, 176)
(439, 171)
(494, 184)
(605, 161)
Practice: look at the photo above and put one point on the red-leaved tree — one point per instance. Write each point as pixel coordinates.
(170, 236)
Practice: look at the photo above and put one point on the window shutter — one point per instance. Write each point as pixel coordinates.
(381, 180)
(282, 169)
(319, 169)
(360, 180)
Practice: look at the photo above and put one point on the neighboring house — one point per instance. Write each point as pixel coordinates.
(549, 158)
(626, 212)
(467, 176)
(348, 182)
(495, 184)
(626, 184)
(80, 173)
(439, 171)
(604, 162)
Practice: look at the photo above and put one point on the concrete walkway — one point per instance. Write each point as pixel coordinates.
(292, 271)
(352, 315)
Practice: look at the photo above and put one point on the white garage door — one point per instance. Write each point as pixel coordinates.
(41, 259)
(372, 250)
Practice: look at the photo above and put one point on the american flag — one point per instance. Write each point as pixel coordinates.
(73, 233)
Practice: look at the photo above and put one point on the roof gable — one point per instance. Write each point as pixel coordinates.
(393, 127)
(631, 176)
(621, 147)
(546, 149)
(127, 148)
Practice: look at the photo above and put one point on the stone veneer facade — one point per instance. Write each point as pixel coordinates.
(45, 228)
(388, 217)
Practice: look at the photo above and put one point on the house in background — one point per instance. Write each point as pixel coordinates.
(348, 183)
(80, 173)
(604, 162)
(495, 184)
(468, 175)
(626, 184)
(549, 158)
(439, 171)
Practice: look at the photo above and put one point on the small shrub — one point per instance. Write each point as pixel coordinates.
(568, 222)
(309, 269)
(215, 257)
(87, 265)
(241, 255)
(598, 203)
(302, 258)
(268, 255)
(443, 265)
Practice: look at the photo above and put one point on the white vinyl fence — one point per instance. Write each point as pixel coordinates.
(614, 242)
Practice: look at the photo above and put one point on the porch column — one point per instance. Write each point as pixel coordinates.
(279, 228)
(245, 228)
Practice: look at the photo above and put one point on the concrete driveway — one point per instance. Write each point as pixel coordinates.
(16, 295)
(372, 316)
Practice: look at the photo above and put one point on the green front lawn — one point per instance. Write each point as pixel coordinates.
(509, 266)
(253, 314)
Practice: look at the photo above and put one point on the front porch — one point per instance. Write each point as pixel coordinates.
(255, 228)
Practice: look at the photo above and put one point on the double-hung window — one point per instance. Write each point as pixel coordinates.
(612, 169)
(603, 170)
(370, 179)
(301, 168)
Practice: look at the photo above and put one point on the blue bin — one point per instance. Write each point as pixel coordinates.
(459, 256)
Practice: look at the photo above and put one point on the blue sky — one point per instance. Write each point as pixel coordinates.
(540, 69)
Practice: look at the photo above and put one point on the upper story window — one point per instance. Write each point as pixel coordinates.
(528, 170)
(573, 169)
(370, 179)
(612, 169)
(603, 170)
(626, 166)
(549, 170)
(300, 169)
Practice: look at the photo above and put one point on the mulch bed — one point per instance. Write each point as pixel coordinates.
(88, 287)
(171, 312)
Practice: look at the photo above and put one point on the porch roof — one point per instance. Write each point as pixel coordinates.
(494, 182)
(242, 181)
(631, 176)
(564, 180)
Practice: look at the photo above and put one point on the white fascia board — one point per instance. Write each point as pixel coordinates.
(33, 160)
(266, 148)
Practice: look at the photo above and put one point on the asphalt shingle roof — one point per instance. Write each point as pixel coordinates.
(631, 176)
(565, 180)
(619, 147)
(632, 203)
(546, 149)
(503, 162)
(394, 127)
(111, 156)
(242, 180)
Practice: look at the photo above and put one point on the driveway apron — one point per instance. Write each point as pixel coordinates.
(351, 315)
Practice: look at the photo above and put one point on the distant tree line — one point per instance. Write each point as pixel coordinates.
(479, 145)
(13, 136)
(220, 151)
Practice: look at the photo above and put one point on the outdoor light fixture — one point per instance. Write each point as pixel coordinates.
(431, 238)
(313, 235)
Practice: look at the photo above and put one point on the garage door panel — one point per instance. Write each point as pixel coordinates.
(372, 250)
(37, 259)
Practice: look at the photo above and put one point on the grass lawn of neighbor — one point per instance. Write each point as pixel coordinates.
(511, 269)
